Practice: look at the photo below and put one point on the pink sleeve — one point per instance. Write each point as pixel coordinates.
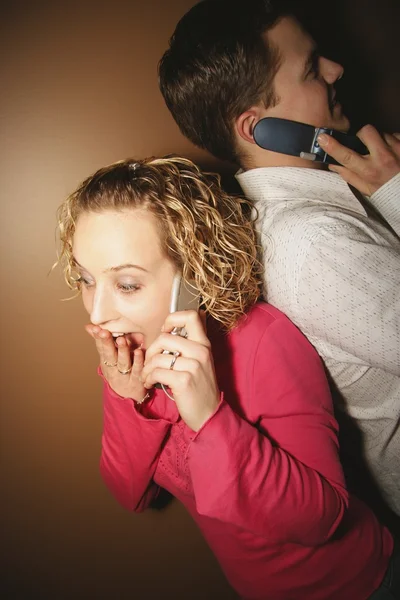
(282, 479)
(131, 445)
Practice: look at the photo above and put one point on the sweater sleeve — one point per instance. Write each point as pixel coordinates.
(387, 200)
(280, 478)
(131, 445)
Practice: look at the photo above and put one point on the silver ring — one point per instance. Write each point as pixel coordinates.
(174, 359)
(109, 364)
(125, 372)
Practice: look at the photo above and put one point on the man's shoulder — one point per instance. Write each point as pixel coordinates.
(294, 230)
(306, 222)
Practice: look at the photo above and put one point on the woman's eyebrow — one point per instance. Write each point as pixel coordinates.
(116, 268)
(126, 266)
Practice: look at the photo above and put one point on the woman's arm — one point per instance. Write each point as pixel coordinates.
(281, 479)
(131, 445)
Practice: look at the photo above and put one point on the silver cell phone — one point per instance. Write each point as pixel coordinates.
(184, 296)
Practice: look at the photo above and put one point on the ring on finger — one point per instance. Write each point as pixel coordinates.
(109, 364)
(125, 372)
(174, 359)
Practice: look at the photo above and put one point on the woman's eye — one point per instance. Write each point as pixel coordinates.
(128, 288)
(84, 281)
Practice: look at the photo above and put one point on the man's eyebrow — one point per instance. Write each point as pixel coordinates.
(311, 61)
(116, 268)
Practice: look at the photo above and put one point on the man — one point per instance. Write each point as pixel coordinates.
(332, 253)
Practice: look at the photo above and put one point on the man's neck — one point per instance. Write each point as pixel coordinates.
(265, 158)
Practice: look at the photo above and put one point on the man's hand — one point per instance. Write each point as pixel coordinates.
(365, 173)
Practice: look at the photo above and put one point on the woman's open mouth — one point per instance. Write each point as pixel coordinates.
(116, 336)
(131, 339)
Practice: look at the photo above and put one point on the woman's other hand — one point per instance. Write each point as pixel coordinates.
(121, 368)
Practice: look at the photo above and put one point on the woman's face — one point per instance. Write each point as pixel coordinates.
(126, 278)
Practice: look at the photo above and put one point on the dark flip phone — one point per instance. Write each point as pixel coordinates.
(299, 139)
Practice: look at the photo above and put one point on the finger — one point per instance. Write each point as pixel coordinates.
(340, 153)
(124, 361)
(191, 321)
(90, 330)
(108, 349)
(372, 139)
(168, 377)
(392, 140)
(169, 362)
(138, 363)
(166, 342)
(203, 318)
(98, 341)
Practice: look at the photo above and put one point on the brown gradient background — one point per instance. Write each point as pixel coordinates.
(78, 91)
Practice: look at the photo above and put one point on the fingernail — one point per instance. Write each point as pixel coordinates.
(322, 139)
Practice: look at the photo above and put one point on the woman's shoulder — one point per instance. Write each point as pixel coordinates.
(264, 312)
(263, 325)
(260, 317)
(267, 327)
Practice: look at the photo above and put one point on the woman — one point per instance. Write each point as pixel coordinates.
(242, 431)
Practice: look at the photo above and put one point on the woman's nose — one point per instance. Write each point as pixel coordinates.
(103, 309)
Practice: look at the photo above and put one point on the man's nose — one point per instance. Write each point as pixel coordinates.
(103, 309)
(331, 71)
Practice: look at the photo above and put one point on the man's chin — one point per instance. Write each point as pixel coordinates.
(345, 126)
(339, 120)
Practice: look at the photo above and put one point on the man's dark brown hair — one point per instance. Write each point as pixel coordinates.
(217, 66)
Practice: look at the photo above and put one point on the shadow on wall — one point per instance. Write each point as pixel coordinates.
(362, 35)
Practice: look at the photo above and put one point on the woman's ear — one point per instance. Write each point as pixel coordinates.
(246, 122)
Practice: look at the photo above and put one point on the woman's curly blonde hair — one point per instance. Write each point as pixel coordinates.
(208, 234)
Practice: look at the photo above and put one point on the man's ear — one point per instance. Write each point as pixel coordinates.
(246, 122)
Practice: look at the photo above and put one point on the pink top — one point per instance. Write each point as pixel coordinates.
(262, 477)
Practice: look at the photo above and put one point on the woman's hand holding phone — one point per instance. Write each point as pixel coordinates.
(191, 376)
(114, 361)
